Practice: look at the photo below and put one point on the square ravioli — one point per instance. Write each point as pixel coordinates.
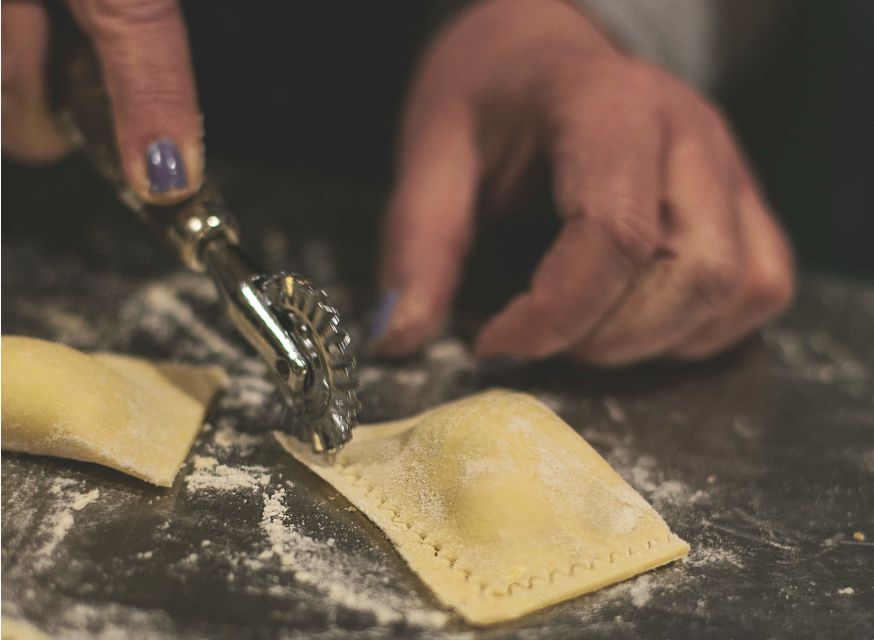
(497, 504)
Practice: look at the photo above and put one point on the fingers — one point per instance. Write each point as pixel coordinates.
(143, 51)
(427, 230)
(730, 269)
(608, 196)
(766, 288)
(29, 130)
(680, 294)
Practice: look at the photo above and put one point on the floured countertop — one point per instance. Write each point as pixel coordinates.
(762, 460)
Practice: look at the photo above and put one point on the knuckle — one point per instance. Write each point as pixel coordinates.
(641, 76)
(613, 94)
(771, 287)
(697, 155)
(632, 230)
(715, 279)
(711, 116)
(714, 128)
(695, 115)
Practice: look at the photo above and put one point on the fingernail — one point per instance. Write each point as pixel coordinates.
(381, 318)
(165, 166)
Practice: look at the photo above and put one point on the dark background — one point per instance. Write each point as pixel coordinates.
(316, 89)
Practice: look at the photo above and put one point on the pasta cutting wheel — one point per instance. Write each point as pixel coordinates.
(323, 411)
(290, 323)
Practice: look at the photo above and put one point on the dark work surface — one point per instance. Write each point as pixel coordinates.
(762, 459)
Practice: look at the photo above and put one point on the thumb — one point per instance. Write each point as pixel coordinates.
(143, 52)
(426, 232)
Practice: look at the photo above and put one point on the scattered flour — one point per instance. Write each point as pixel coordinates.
(551, 400)
(209, 475)
(248, 393)
(322, 566)
(67, 327)
(201, 463)
(701, 556)
(83, 500)
(816, 356)
(61, 520)
(643, 473)
(369, 375)
(227, 437)
(614, 410)
(410, 378)
(112, 622)
(641, 591)
(674, 491)
(448, 349)
(57, 527)
(640, 473)
(165, 306)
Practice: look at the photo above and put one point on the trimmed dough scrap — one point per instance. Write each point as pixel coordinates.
(498, 505)
(14, 629)
(129, 414)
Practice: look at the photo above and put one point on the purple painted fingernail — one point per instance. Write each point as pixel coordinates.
(166, 169)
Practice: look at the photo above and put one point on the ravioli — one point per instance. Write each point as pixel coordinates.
(497, 504)
(129, 414)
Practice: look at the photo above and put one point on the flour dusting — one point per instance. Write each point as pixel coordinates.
(641, 591)
(208, 474)
(818, 357)
(61, 520)
(703, 556)
(228, 438)
(321, 566)
(83, 500)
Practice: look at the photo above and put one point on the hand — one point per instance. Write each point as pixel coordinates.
(667, 248)
(143, 52)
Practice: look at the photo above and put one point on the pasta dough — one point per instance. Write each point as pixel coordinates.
(12, 629)
(498, 505)
(122, 412)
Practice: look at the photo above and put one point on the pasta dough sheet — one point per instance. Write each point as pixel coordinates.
(498, 505)
(129, 414)
(13, 629)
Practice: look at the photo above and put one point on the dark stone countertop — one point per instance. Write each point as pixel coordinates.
(762, 459)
